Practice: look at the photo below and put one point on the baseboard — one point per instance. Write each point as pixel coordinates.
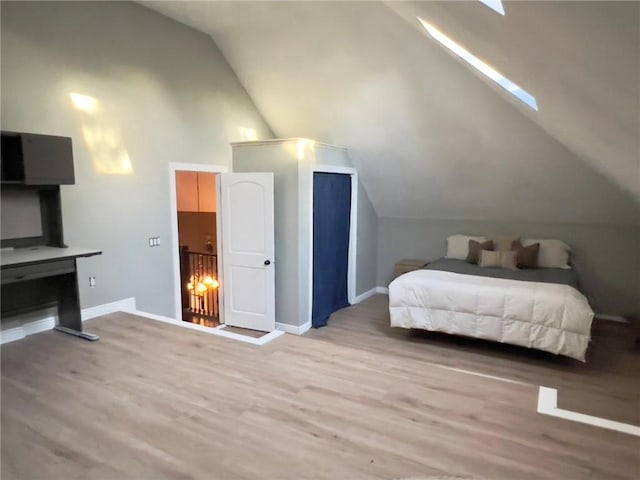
(611, 318)
(548, 405)
(11, 335)
(49, 321)
(38, 326)
(294, 329)
(219, 330)
(382, 290)
(363, 296)
(28, 328)
(124, 305)
(154, 316)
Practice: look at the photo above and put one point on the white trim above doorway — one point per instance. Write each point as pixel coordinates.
(173, 209)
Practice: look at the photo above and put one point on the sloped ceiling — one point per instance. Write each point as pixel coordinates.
(430, 136)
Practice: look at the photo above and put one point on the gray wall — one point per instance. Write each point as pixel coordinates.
(430, 135)
(271, 158)
(165, 94)
(366, 273)
(292, 199)
(606, 257)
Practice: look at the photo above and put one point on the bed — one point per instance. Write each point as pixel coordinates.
(535, 308)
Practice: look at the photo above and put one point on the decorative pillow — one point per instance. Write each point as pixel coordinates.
(504, 242)
(553, 253)
(508, 260)
(475, 248)
(458, 246)
(526, 257)
(503, 259)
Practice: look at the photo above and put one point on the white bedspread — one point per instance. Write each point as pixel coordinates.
(546, 316)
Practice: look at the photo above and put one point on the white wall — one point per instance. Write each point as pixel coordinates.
(163, 92)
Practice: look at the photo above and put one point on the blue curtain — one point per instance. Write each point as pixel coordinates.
(331, 221)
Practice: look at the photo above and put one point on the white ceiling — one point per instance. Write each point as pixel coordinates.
(431, 137)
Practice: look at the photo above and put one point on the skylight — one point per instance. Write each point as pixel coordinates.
(474, 61)
(495, 5)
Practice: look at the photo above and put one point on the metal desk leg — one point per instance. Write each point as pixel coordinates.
(69, 318)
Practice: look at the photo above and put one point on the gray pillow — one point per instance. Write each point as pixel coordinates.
(526, 257)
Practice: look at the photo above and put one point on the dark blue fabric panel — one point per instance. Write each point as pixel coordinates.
(331, 222)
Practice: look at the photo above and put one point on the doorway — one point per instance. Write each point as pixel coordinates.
(195, 231)
(331, 218)
(246, 216)
(333, 239)
(197, 241)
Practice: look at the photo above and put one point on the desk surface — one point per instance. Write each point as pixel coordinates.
(21, 256)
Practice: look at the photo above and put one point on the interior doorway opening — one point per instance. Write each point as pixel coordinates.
(196, 212)
(331, 230)
(245, 217)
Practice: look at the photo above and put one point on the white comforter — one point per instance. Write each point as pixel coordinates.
(546, 316)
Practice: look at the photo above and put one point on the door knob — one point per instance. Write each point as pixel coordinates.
(267, 262)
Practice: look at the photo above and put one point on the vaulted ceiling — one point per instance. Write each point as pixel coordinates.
(431, 136)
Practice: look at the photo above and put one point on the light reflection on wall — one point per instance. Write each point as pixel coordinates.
(304, 147)
(102, 135)
(299, 148)
(249, 134)
(303, 143)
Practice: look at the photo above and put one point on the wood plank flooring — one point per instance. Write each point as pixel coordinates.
(607, 385)
(354, 400)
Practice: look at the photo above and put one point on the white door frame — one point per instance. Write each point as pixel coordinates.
(353, 231)
(175, 242)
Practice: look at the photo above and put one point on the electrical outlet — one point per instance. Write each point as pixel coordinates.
(154, 241)
(151, 241)
(92, 282)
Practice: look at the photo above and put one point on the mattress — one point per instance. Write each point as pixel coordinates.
(545, 315)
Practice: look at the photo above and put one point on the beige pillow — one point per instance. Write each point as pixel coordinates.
(504, 242)
(553, 253)
(458, 246)
(498, 259)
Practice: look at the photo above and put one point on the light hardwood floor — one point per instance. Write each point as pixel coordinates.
(607, 385)
(354, 400)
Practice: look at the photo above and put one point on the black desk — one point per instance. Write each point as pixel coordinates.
(34, 278)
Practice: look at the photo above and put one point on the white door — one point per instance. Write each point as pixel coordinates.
(246, 209)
